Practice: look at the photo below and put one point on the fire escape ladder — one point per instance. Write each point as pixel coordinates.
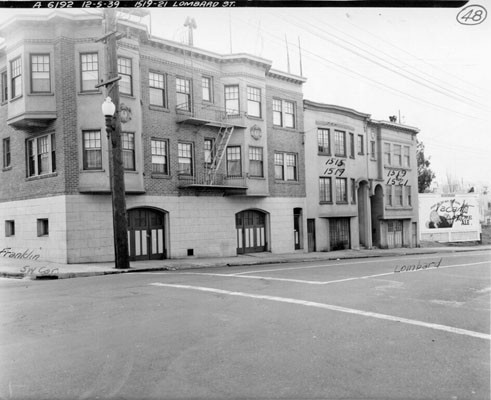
(223, 137)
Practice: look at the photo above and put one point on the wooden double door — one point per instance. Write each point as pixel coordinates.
(146, 234)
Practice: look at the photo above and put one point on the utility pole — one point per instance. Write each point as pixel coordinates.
(113, 128)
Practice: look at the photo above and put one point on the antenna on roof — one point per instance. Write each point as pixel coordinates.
(190, 23)
(287, 55)
(300, 55)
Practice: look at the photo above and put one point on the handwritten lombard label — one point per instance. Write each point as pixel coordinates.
(417, 267)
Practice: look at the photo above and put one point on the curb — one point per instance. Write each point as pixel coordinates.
(68, 275)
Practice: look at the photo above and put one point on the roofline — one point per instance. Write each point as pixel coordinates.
(309, 104)
(274, 73)
(395, 125)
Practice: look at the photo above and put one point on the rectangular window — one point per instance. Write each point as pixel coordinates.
(279, 167)
(16, 77)
(325, 190)
(208, 150)
(256, 162)
(43, 227)
(397, 154)
(373, 150)
(128, 145)
(387, 159)
(289, 111)
(185, 158)
(277, 114)
(398, 195)
(6, 153)
(156, 87)
(406, 156)
(89, 67)
(40, 154)
(352, 145)
(5, 90)
(40, 77)
(92, 150)
(388, 190)
(206, 88)
(408, 196)
(360, 145)
(254, 102)
(125, 70)
(183, 94)
(353, 191)
(291, 167)
(9, 228)
(232, 100)
(323, 142)
(340, 143)
(341, 190)
(160, 164)
(234, 164)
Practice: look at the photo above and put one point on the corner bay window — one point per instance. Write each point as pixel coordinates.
(159, 157)
(325, 189)
(92, 150)
(156, 88)
(40, 69)
(89, 67)
(128, 145)
(40, 153)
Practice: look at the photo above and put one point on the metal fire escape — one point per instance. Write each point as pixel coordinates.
(218, 152)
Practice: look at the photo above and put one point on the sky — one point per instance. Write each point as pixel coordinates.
(417, 63)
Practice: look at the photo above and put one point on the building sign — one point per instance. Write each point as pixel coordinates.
(453, 218)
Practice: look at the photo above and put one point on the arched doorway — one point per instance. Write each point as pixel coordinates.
(146, 234)
(251, 231)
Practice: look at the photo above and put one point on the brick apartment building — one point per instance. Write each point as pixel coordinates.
(361, 180)
(212, 146)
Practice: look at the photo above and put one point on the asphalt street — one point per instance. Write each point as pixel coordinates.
(347, 329)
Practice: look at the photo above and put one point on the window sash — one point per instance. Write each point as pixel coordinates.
(40, 73)
(89, 66)
(92, 150)
(40, 155)
(183, 94)
(387, 158)
(16, 77)
(279, 169)
(340, 143)
(125, 70)
(5, 89)
(208, 150)
(6, 153)
(234, 164)
(128, 145)
(156, 89)
(291, 167)
(398, 195)
(256, 162)
(277, 113)
(360, 145)
(232, 100)
(254, 102)
(323, 142)
(185, 159)
(353, 191)
(206, 88)
(397, 154)
(289, 114)
(341, 190)
(325, 189)
(406, 156)
(159, 156)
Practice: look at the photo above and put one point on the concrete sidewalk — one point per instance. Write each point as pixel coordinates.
(29, 269)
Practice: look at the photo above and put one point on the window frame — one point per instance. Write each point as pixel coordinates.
(389, 195)
(336, 143)
(253, 101)
(360, 145)
(13, 78)
(85, 88)
(159, 91)
(95, 149)
(190, 157)
(5, 87)
(322, 134)
(207, 88)
(397, 154)
(373, 150)
(352, 144)
(208, 152)
(9, 227)
(33, 160)
(353, 190)
(406, 157)
(256, 151)
(123, 72)
(387, 154)
(229, 111)
(186, 84)
(324, 196)
(125, 141)
(408, 196)
(154, 155)
(42, 227)
(282, 113)
(277, 164)
(398, 196)
(237, 161)
(6, 153)
(342, 191)
(32, 72)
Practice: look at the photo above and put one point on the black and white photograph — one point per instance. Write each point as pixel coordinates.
(245, 200)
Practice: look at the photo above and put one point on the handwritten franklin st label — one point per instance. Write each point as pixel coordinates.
(417, 267)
